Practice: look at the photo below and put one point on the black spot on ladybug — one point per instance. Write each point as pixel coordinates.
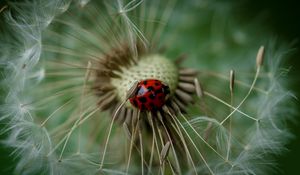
(143, 107)
(153, 107)
(135, 102)
(150, 88)
(151, 96)
(158, 91)
(156, 84)
(143, 99)
(145, 82)
(166, 90)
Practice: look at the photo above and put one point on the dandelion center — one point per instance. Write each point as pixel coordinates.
(148, 67)
(118, 70)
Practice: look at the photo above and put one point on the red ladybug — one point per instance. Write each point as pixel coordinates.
(150, 95)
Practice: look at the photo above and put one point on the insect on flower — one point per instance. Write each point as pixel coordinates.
(150, 95)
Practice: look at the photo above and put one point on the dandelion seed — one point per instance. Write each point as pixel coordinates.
(231, 81)
(260, 56)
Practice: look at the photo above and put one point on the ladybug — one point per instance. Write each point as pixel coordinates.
(151, 95)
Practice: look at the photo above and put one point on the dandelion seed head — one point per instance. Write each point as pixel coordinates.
(69, 66)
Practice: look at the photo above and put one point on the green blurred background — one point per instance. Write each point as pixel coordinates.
(283, 18)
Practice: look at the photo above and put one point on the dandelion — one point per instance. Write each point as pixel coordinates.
(125, 87)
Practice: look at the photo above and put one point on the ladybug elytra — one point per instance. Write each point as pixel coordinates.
(150, 95)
